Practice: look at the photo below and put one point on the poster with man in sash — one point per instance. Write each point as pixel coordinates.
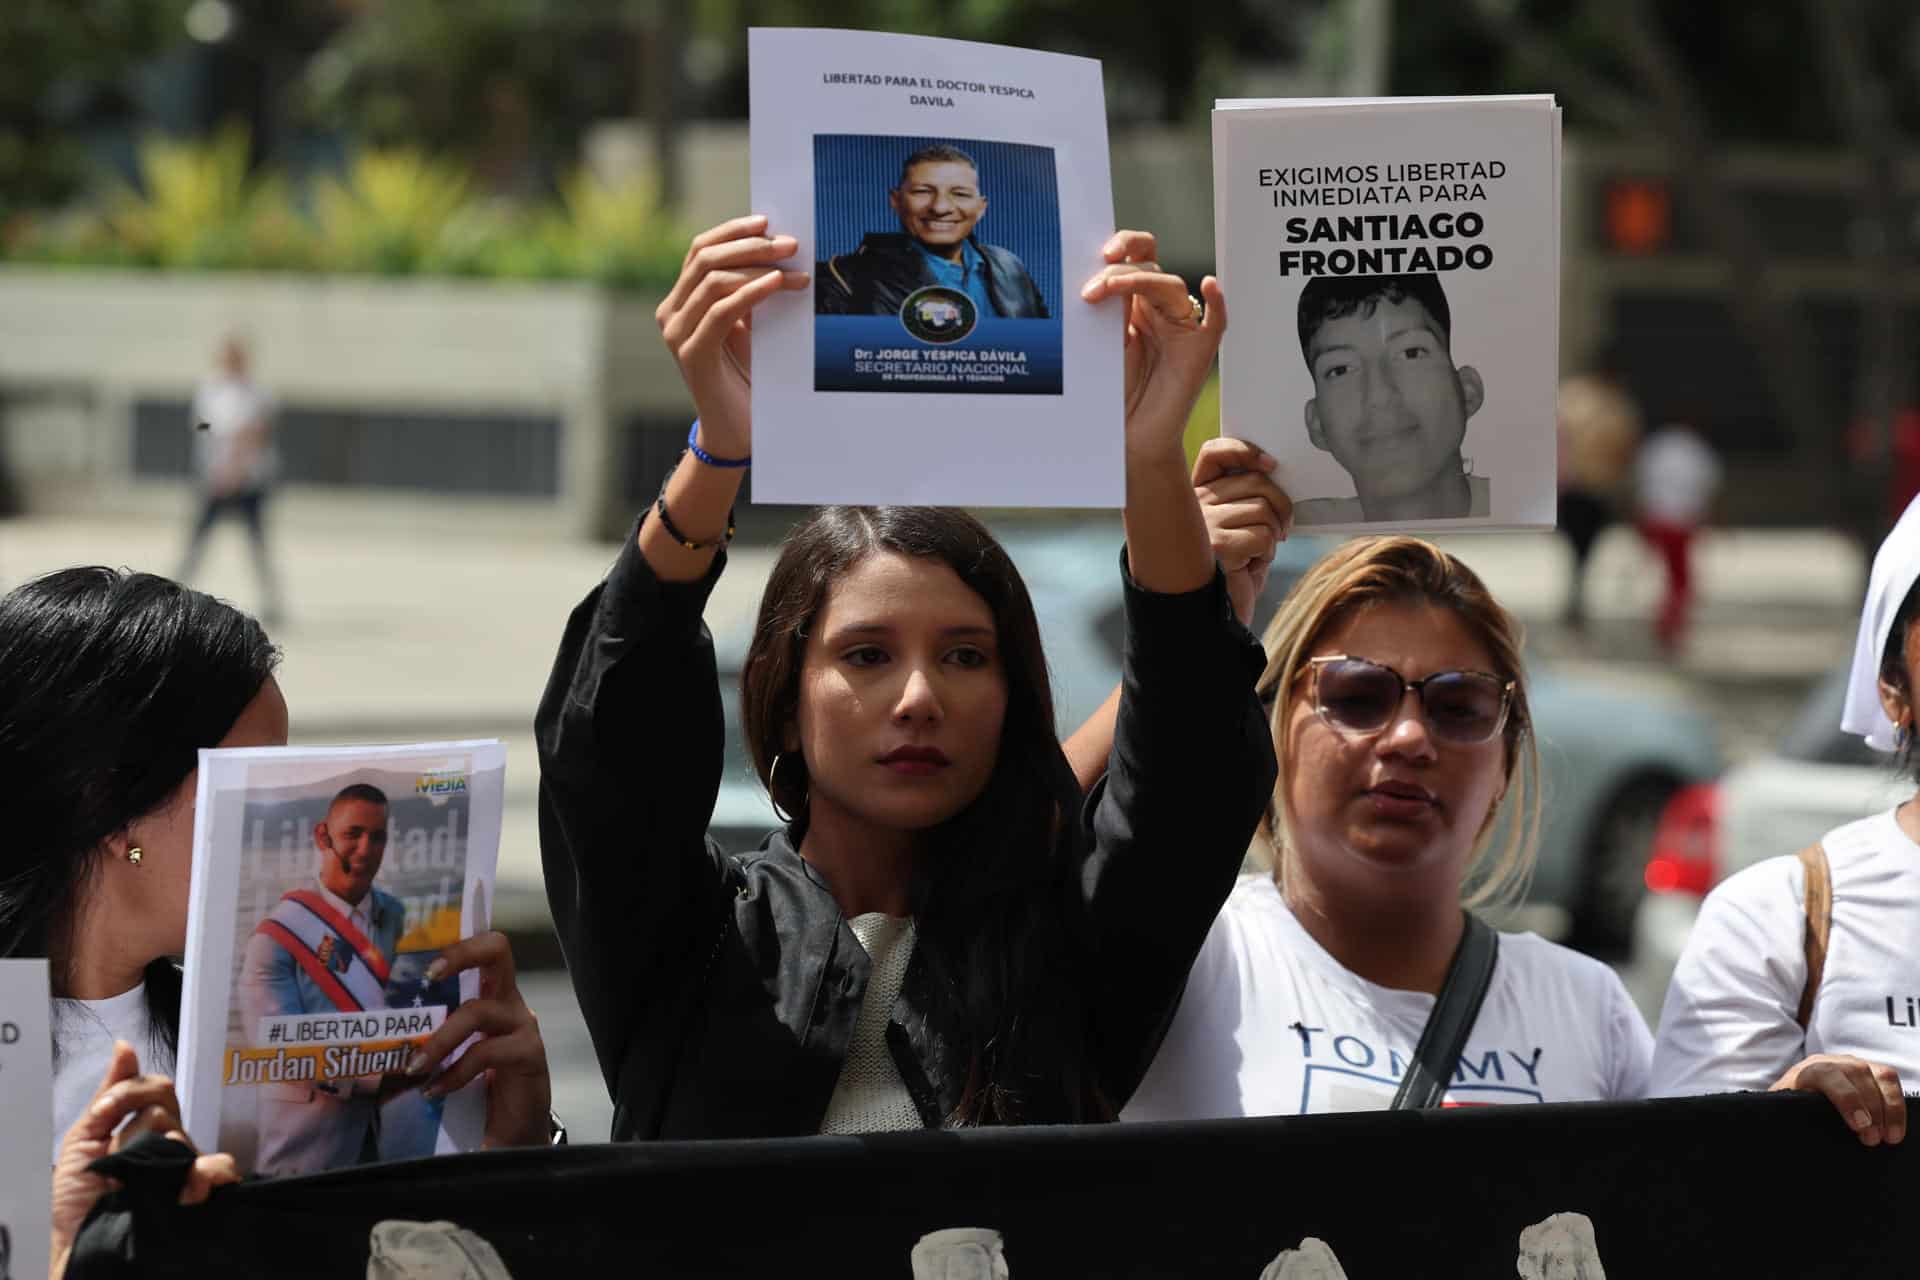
(327, 947)
(334, 877)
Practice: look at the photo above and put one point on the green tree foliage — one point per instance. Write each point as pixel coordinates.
(61, 60)
(1163, 56)
(1754, 67)
(508, 85)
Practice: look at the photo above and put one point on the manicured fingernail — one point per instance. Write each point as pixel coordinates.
(417, 1064)
(436, 971)
(1086, 290)
(102, 1105)
(1861, 1119)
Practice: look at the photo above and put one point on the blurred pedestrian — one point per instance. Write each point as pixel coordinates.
(236, 464)
(1677, 476)
(1600, 426)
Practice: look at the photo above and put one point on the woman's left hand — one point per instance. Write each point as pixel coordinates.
(144, 1104)
(1866, 1094)
(1169, 349)
(510, 1051)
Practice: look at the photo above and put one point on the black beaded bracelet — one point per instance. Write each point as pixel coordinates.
(666, 522)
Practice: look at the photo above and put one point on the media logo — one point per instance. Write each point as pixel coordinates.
(441, 783)
(938, 314)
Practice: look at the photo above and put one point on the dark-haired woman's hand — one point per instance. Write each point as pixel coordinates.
(1866, 1094)
(509, 1051)
(707, 321)
(1169, 349)
(1247, 515)
(126, 1105)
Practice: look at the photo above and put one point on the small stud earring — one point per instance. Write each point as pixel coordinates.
(133, 855)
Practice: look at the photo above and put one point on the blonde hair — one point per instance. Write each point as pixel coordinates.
(1402, 570)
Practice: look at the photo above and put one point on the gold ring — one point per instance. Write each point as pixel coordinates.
(1194, 310)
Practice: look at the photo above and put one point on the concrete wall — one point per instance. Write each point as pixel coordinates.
(80, 349)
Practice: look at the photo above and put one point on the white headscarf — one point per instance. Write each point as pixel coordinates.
(1895, 567)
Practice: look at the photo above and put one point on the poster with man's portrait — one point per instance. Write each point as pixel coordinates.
(1393, 272)
(939, 267)
(949, 200)
(326, 883)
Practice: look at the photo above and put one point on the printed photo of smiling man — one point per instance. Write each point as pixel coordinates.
(1389, 402)
(941, 200)
(327, 947)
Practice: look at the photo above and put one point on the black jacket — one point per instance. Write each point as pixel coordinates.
(877, 277)
(721, 990)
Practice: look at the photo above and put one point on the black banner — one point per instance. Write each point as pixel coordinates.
(1743, 1185)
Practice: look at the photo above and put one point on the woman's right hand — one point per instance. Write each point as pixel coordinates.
(707, 322)
(1247, 515)
(152, 1106)
(1866, 1094)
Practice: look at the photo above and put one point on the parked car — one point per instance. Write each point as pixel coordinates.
(1816, 779)
(1611, 760)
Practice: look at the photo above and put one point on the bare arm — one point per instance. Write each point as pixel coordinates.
(1169, 351)
(1247, 515)
(707, 323)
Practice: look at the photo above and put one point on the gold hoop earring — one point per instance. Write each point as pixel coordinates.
(773, 771)
(133, 855)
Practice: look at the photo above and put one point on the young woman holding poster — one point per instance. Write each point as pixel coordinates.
(1400, 717)
(943, 934)
(110, 684)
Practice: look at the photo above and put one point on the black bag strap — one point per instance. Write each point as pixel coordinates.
(1468, 977)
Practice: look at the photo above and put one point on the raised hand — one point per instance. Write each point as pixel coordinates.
(1247, 515)
(1169, 347)
(510, 1051)
(707, 322)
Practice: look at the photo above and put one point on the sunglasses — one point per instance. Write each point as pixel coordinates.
(1356, 697)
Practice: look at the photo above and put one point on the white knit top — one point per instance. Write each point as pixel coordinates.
(870, 1097)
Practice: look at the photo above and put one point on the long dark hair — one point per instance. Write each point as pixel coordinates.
(110, 683)
(994, 919)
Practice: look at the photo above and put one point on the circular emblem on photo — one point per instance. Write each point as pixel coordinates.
(938, 314)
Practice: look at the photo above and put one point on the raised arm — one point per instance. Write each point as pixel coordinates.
(707, 323)
(630, 727)
(1192, 766)
(1247, 515)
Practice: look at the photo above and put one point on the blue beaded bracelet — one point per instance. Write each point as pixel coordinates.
(693, 443)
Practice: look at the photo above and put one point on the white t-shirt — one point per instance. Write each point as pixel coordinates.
(227, 406)
(1272, 1025)
(1677, 475)
(1728, 1022)
(85, 1031)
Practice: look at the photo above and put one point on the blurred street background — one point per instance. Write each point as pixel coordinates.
(440, 229)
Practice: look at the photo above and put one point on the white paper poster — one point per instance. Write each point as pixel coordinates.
(1392, 267)
(326, 881)
(950, 198)
(26, 1118)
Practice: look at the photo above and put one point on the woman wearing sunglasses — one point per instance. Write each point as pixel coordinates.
(1398, 707)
